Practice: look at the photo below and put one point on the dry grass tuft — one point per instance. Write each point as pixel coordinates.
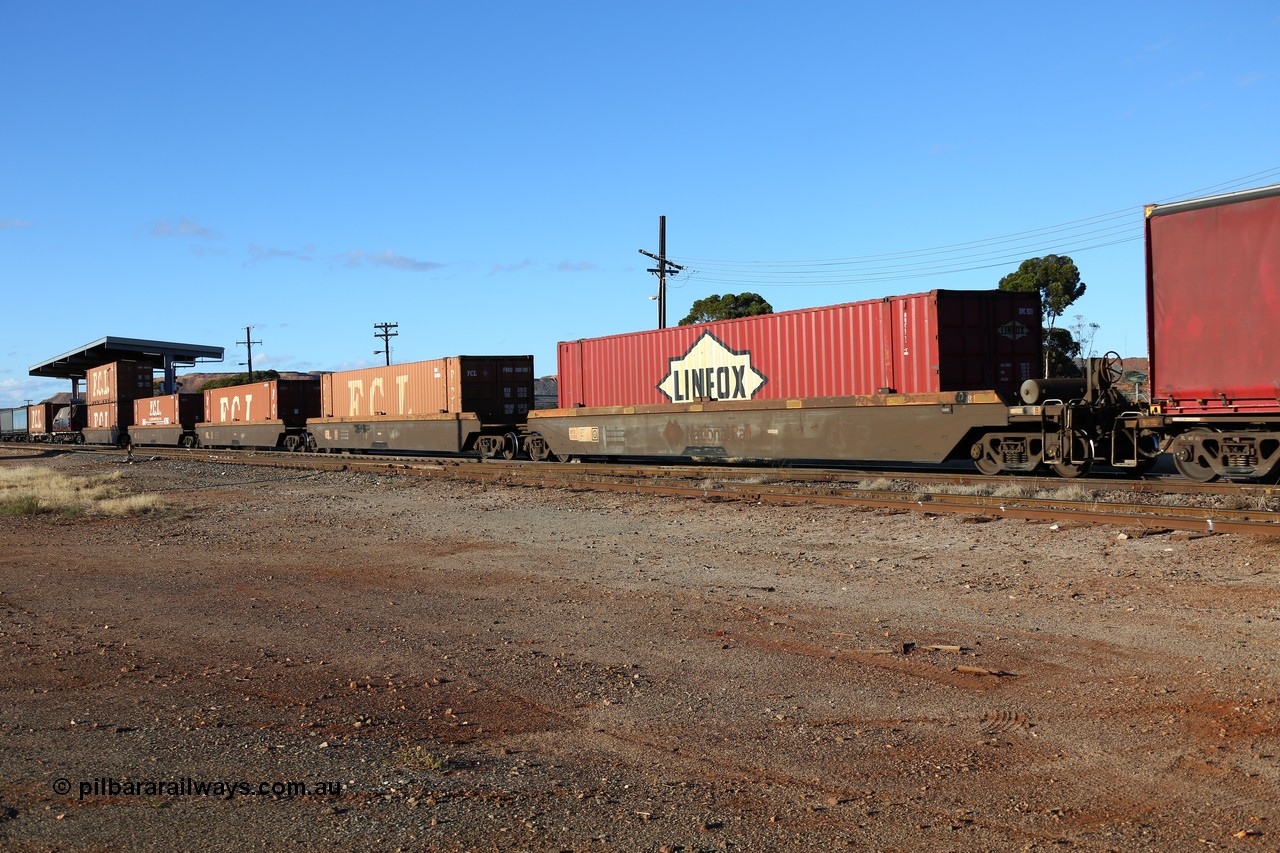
(880, 484)
(29, 490)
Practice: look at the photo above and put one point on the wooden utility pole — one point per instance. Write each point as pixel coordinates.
(661, 270)
(248, 343)
(386, 334)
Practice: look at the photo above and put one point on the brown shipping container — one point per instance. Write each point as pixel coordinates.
(169, 410)
(1213, 303)
(288, 400)
(40, 419)
(119, 380)
(495, 388)
(944, 340)
(109, 416)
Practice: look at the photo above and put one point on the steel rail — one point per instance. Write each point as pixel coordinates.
(650, 480)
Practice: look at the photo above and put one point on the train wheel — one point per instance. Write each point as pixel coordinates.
(986, 457)
(1194, 459)
(987, 466)
(1194, 468)
(537, 448)
(562, 457)
(1070, 470)
(510, 446)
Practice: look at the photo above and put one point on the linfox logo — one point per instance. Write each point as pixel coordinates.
(713, 371)
(1013, 330)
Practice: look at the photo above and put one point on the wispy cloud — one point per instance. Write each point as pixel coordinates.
(15, 223)
(182, 228)
(497, 269)
(258, 254)
(1252, 79)
(386, 259)
(561, 266)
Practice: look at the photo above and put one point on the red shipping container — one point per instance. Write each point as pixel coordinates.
(944, 340)
(289, 400)
(119, 380)
(495, 388)
(1213, 303)
(169, 410)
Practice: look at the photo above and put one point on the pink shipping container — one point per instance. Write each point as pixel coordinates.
(944, 340)
(289, 400)
(1213, 303)
(498, 389)
(169, 410)
(119, 380)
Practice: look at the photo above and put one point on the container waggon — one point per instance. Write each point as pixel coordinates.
(923, 378)
(13, 424)
(1213, 308)
(167, 420)
(266, 415)
(462, 404)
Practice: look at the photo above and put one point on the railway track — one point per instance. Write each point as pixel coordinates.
(1146, 505)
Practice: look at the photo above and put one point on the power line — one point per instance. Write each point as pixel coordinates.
(1075, 236)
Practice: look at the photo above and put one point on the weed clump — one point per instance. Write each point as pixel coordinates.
(30, 490)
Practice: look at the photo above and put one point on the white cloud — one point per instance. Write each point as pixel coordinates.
(387, 259)
(182, 228)
(501, 268)
(15, 223)
(16, 392)
(258, 254)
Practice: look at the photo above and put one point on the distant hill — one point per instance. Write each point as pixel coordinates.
(194, 381)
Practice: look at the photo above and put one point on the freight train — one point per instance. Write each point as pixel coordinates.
(924, 379)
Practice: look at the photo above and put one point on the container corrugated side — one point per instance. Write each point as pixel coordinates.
(118, 415)
(1213, 303)
(288, 400)
(119, 380)
(403, 390)
(183, 409)
(919, 343)
(40, 418)
(495, 388)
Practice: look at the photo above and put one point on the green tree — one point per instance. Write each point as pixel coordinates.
(1061, 350)
(1057, 279)
(717, 307)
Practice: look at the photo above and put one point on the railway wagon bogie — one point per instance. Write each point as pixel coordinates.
(1211, 451)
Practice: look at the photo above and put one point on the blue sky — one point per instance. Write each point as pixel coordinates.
(484, 174)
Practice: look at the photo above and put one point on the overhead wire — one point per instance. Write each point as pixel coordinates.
(1073, 237)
